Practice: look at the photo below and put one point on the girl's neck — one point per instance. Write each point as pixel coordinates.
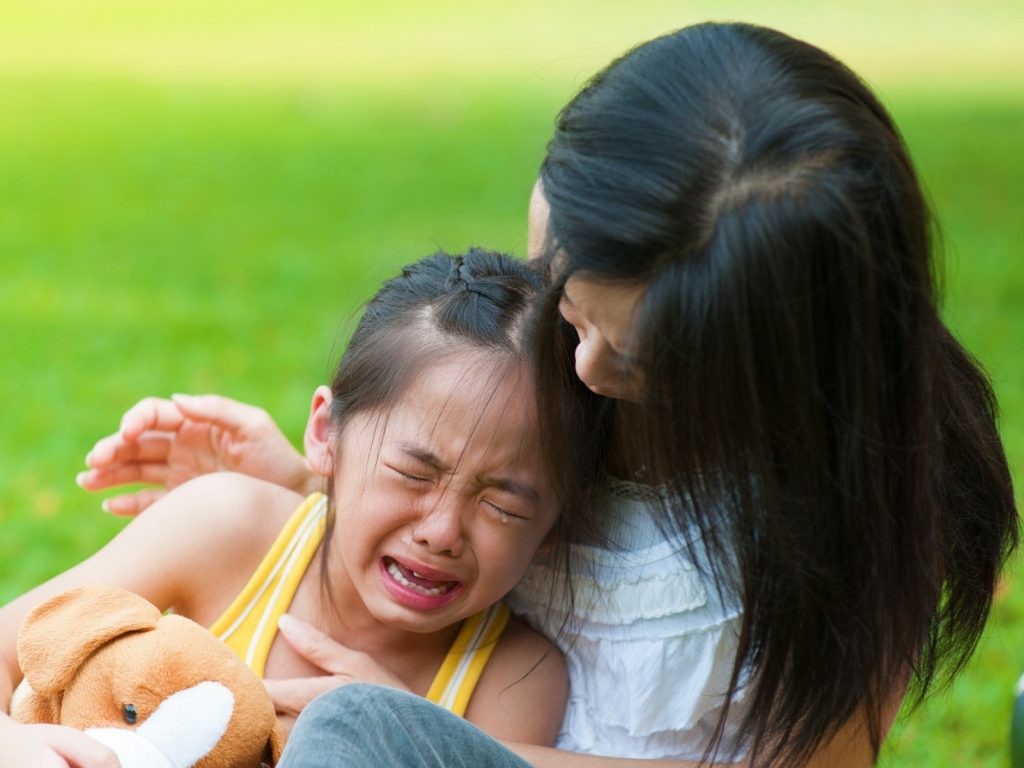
(341, 613)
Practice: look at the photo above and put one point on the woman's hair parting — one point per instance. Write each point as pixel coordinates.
(836, 446)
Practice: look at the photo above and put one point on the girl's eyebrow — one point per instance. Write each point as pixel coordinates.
(423, 455)
(512, 486)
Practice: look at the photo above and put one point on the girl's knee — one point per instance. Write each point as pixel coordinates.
(355, 701)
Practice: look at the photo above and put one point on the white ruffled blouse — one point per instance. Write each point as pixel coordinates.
(649, 642)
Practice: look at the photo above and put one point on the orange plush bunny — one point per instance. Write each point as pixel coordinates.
(160, 691)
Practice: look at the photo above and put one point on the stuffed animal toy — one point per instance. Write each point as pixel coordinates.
(160, 691)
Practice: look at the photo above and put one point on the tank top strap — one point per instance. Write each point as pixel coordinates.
(460, 672)
(249, 624)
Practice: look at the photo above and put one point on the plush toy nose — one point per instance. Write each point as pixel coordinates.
(181, 731)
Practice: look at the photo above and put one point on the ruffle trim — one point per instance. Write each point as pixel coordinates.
(626, 598)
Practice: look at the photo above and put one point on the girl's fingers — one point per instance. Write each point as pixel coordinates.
(131, 504)
(105, 450)
(313, 645)
(230, 415)
(113, 449)
(334, 658)
(153, 414)
(290, 696)
(78, 749)
(150, 473)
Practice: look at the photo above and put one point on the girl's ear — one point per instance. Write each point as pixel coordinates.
(318, 440)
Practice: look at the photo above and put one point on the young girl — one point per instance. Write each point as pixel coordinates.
(437, 500)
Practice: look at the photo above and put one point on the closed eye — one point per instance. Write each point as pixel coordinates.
(409, 475)
(504, 513)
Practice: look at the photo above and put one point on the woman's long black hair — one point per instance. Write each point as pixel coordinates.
(837, 445)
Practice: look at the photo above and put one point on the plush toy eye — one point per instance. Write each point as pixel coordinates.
(130, 714)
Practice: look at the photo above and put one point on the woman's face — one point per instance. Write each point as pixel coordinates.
(603, 314)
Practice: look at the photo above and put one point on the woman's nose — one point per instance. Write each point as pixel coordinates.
(440, 528)
(593, 364)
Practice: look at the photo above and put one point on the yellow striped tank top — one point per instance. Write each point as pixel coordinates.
(249, 625)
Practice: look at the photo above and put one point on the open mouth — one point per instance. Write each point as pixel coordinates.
(417, 582)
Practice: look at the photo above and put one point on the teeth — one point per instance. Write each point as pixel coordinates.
(397, 575)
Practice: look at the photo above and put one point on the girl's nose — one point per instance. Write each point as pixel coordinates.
(440, 528)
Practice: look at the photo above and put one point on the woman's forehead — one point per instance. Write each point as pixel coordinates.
(537, 223)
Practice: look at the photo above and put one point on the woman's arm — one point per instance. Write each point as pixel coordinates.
(850, 747)
(166, 442)
(544, 757)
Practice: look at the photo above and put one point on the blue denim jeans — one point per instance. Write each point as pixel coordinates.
(368, 726)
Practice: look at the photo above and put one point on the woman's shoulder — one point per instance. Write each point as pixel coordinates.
(522, 692)
(648, 632)
(643, 580)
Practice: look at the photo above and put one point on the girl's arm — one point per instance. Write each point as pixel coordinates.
(166, 442)
(164, 557)
(522, 694)
(191, 546)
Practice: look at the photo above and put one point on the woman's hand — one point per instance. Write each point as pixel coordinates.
(341, 665)
(166, 442)
(52, 746)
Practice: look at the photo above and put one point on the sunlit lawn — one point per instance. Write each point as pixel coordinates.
(179, 212)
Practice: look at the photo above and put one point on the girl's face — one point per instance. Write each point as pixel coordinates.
(603, 314)
(442, 502)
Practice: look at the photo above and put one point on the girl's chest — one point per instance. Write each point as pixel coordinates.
(415, 667)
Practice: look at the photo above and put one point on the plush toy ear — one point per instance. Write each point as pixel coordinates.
(275, 744)
(65, 630)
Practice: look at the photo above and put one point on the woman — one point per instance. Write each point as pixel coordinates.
(732, 224)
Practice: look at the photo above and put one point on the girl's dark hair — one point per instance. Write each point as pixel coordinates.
(837, 445)
(439, 306)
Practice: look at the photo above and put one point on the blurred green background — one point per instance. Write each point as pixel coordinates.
(195, 196)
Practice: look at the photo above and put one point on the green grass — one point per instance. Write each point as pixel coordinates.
(197, 199)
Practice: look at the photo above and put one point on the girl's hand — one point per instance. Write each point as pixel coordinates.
(166, 442)
(341, 664)
(52, 746)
